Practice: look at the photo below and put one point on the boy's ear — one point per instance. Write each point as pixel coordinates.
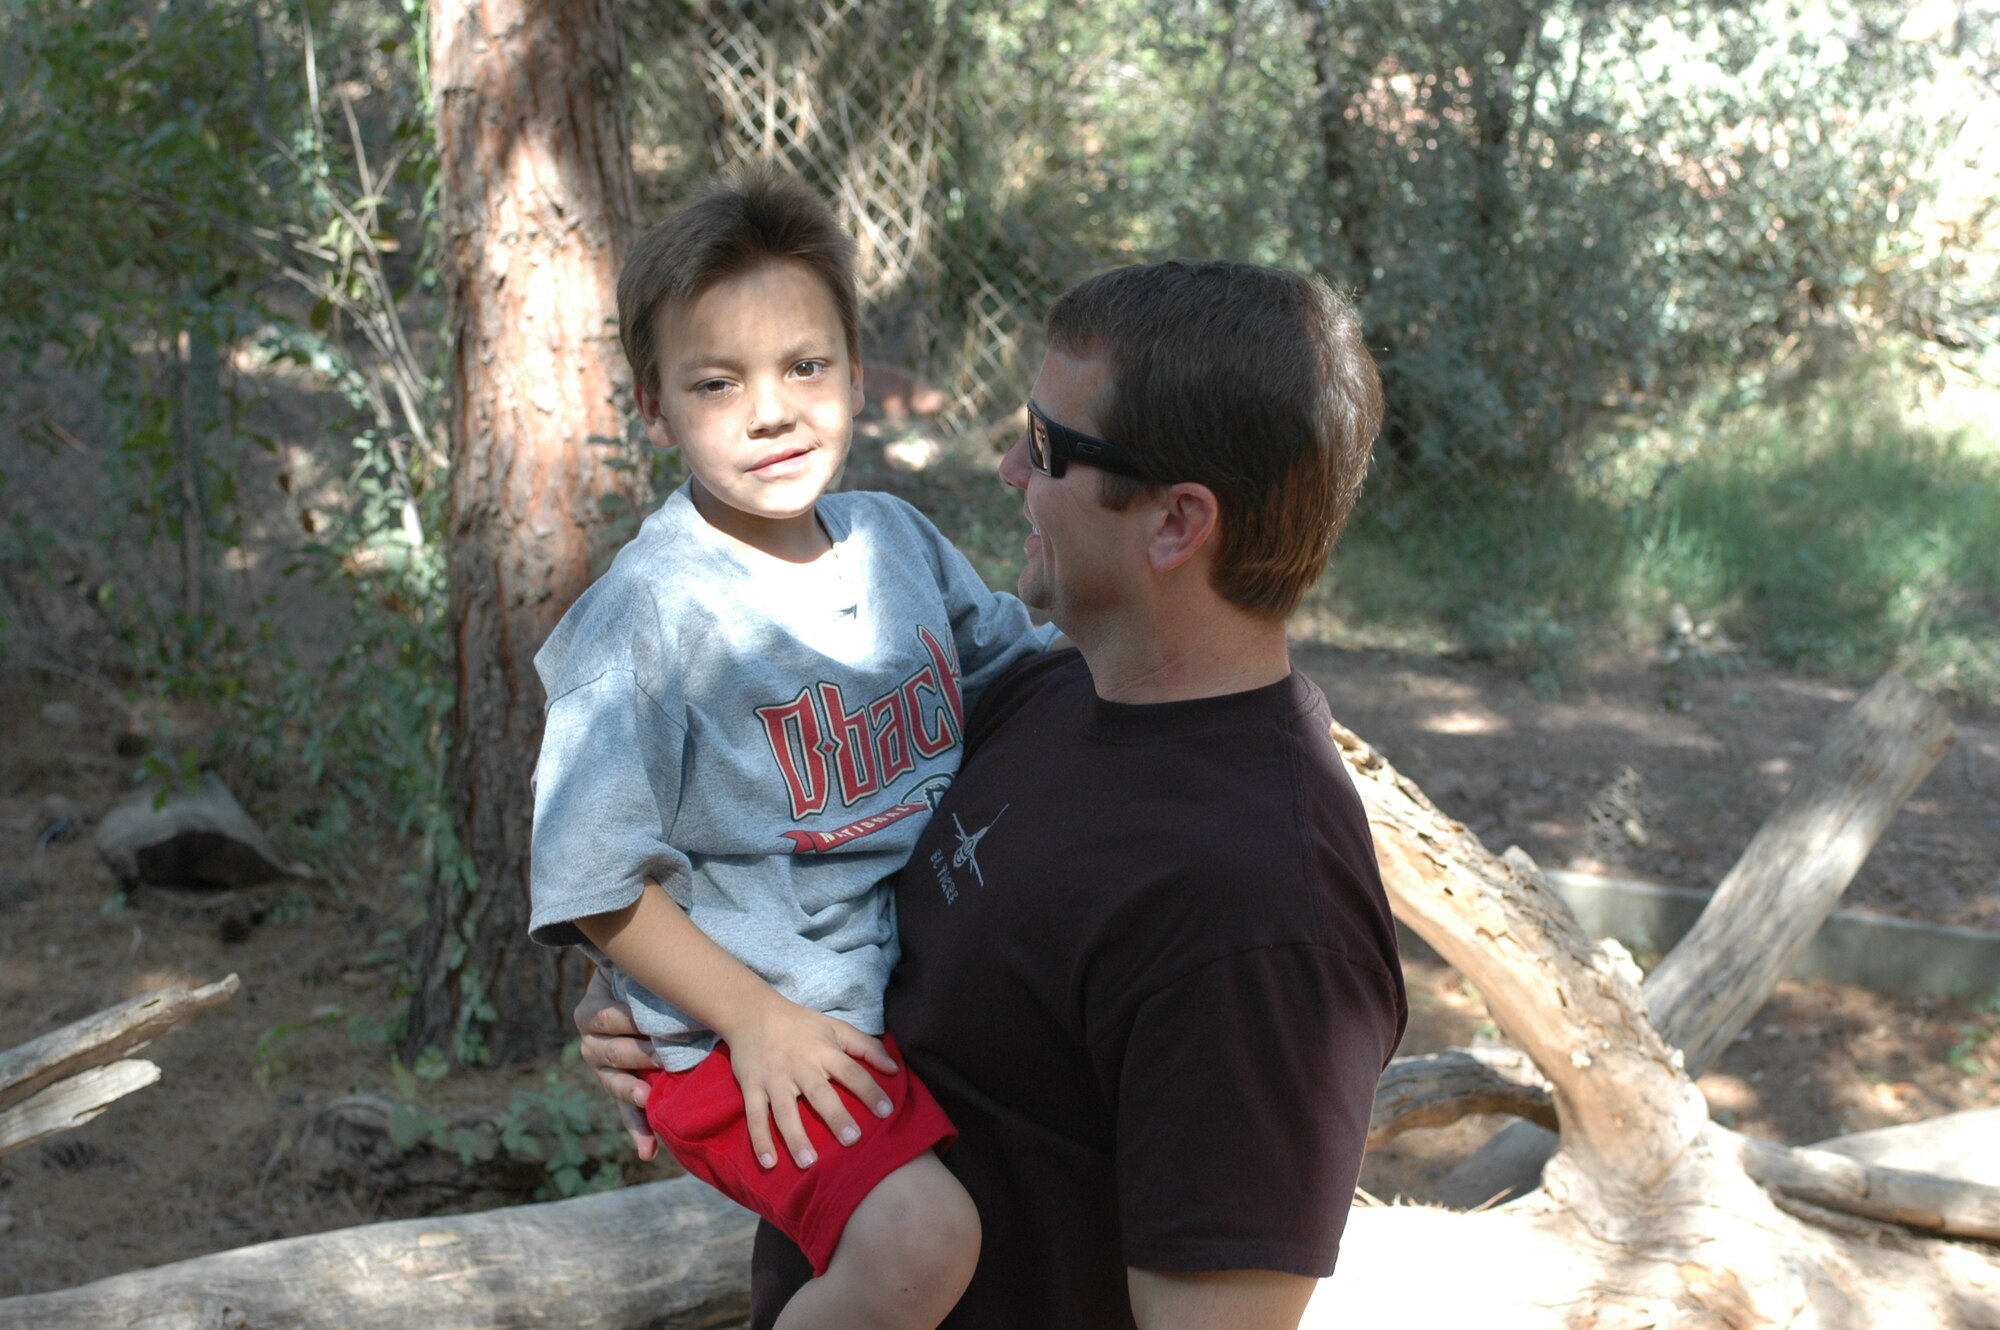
(650, 415)
(857, 399)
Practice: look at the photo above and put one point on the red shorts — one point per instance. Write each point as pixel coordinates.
(699, 1114)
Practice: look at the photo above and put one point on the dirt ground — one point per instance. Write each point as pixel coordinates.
(1604, 777)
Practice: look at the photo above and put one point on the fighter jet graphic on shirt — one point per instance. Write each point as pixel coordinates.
(968, 844)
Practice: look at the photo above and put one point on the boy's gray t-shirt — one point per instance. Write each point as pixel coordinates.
(768, 757)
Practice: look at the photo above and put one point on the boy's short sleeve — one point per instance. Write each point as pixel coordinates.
(606, 788)
(1242, 1095)
(991, 629)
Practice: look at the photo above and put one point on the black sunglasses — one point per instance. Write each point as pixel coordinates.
(1052, 447)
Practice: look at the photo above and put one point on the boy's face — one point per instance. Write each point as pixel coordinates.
(758, 392)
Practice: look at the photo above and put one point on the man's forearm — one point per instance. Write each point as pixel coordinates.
(1238, 1299)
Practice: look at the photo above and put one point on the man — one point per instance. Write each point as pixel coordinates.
(1148, 967)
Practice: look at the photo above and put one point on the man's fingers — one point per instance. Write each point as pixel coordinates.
(758, 1115)
(612, 1019)
(633, 1119)
(825, 1101)
(616, 1052)
(863, 1087)
(625, 1088)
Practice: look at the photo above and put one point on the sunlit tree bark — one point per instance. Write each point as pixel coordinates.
(535, 165)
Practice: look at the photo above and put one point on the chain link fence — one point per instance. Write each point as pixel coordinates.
(870, 102)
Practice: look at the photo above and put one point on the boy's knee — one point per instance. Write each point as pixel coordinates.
(921, 1231)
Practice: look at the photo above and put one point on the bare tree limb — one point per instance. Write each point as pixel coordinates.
(1437, 1089)
(73, 1102)
(1768, 907)
(105, 1037)
(1922, 1201)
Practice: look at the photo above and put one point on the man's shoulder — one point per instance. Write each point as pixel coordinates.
(1026, 690)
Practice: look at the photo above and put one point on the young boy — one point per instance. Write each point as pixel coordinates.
(750, 717)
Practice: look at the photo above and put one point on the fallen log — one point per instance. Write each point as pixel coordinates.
(1765, 910)
(663, 1256)
(46, 1080)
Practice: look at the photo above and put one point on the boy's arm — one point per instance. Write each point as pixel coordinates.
(781, 1051)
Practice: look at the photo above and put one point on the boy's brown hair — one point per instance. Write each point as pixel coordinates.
(1252, 381)
(755, 217)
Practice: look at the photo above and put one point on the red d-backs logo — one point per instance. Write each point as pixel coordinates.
(820, 743)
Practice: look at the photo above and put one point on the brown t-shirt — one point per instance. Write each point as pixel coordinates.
(1149, 970)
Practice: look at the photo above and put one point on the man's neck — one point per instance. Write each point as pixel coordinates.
(1180, 654)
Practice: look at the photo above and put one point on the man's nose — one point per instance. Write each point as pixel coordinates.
(1014, 466)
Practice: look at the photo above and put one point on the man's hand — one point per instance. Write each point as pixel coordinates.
(1239, 1299)
(616, 1051)
(782, 1053)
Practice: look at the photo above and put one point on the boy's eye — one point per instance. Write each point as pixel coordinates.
(809, 369)
(711, 387)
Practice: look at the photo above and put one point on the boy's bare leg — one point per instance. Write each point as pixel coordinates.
(906, 1255)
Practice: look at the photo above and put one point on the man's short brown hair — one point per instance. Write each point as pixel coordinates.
(755, 217)
(1252, 381)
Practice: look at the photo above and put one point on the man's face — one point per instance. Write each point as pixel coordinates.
(1078, 551)
(758, 392)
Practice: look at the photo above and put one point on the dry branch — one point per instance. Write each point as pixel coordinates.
(1437, 1089)
(105, 1037)
(667, 1255)
(73, 1102)
(1768, 907)
(1795, 869)
(1570, 1004)
(1920, 1201)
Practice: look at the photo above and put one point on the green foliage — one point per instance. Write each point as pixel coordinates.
(1840, 536)
(570, 1131)
(172, 187)
(1547, 208)
(1840, 532)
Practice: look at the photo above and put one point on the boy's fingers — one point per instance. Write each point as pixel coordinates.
(863, 1087)
(825, 1101)
(759, 1119)
(866, 1047)
(786, 1112)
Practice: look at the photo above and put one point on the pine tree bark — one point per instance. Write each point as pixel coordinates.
(535, 165)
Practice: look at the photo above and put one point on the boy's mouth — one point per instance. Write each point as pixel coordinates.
(783, 462)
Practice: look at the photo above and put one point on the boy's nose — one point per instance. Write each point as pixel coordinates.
(770, 408)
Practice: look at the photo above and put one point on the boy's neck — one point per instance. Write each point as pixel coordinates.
(800, 539)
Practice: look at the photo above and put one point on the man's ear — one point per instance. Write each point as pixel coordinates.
(1186, 521)
(657, 429)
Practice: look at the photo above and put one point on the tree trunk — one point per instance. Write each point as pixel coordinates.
(537, 196)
